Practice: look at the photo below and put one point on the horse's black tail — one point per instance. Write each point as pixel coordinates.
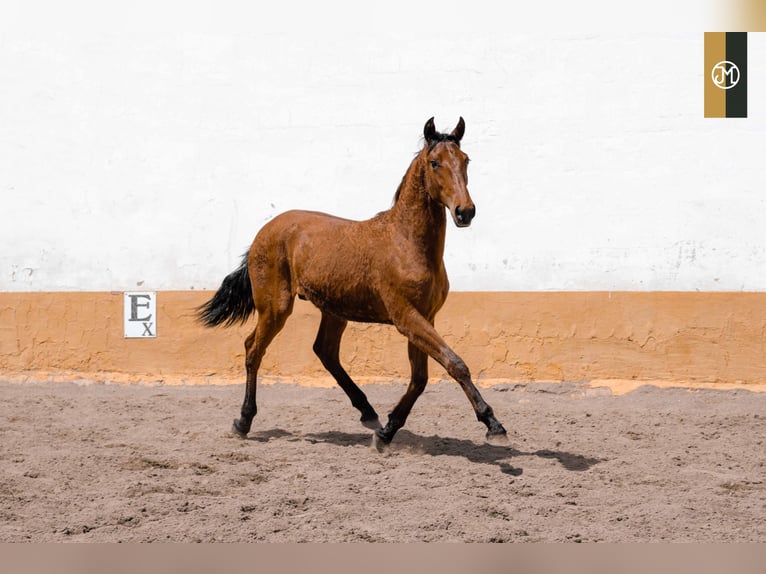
(232, 303)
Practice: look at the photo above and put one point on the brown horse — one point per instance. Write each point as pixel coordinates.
(388, 269)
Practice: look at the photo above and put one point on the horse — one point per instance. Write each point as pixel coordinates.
(388, 269)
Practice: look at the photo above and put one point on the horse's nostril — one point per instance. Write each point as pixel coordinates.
(465, 214)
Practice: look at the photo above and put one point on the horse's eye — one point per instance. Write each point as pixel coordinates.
(434, 163)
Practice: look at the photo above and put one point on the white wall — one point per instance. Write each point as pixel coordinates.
(148, 156)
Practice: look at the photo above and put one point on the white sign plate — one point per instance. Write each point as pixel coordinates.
(140, 315)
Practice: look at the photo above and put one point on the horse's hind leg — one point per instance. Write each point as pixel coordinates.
(270, 322)
(327, 348)
(398, 416)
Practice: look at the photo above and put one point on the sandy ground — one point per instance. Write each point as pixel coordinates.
(102, 462)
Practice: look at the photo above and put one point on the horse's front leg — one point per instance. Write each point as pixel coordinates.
(421, 333)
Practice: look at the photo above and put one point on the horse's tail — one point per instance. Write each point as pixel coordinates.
(232, 303)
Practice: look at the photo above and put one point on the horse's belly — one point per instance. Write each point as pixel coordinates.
(360, 305)
(358, 314)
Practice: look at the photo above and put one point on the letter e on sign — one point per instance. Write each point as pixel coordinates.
(140, 315)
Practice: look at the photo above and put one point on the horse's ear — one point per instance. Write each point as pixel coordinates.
(429, 131)
(459, 130)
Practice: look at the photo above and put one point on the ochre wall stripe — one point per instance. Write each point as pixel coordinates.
(503, 336)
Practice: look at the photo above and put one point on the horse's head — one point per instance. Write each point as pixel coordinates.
(446, 172)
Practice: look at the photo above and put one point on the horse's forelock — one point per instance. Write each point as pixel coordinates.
(439, 138)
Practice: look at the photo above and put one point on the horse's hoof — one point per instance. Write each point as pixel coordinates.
(379, 441)
(498, 439)
(236, 431)
(378, 444)
(373, 424)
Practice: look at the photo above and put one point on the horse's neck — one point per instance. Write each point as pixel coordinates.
(418, 216)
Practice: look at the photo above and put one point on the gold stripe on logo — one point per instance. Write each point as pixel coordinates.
(715, 52)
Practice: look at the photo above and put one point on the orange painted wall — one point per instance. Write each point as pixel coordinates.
(508, 336)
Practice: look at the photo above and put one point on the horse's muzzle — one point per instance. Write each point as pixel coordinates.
(464, 215)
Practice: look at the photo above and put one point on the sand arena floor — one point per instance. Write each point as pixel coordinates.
(117, 462)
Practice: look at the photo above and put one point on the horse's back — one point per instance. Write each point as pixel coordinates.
(295, 221)
(307, 217)
(300, 235)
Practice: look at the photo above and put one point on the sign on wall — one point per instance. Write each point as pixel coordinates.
(140, 315)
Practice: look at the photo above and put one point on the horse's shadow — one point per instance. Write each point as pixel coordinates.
(439, 446)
